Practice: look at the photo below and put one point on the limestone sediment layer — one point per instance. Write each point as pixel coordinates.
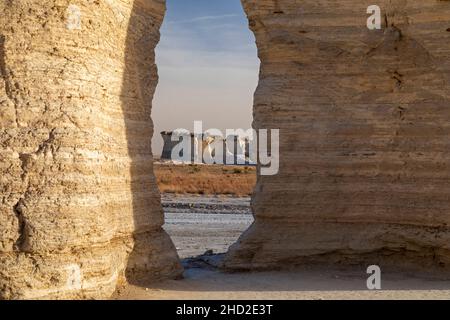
(79, 209)
(364, 119)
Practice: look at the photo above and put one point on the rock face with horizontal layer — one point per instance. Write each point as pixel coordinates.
(79, 206)
(365, 120)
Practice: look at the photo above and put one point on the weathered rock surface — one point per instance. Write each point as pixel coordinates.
(365, 120)
(79, 207)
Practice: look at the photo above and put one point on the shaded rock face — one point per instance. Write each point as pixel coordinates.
(79, 209)
(365, 119)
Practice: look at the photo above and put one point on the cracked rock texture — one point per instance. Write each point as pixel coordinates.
(365, 125)
(79, 209)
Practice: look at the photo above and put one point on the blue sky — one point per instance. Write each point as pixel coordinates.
(208, 67)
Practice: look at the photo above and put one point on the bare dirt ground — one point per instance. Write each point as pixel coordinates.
(205, 284)
(200, 224)
(197, 224)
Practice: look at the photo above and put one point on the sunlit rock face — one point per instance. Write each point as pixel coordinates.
(79, 210)
(365, 122)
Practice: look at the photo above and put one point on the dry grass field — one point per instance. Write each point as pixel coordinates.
(205, 179)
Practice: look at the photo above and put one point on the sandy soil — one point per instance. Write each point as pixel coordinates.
(199, 224)
(204, 284)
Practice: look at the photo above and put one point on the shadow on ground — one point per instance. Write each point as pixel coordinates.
(204, 280)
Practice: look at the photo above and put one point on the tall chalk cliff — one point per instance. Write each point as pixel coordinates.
(365, 124)
(79, 206)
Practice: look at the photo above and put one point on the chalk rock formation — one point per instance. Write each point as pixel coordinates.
(206, 148)
(365, 123)
(79, 206)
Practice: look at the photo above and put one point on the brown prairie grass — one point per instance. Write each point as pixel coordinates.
(205, 179)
